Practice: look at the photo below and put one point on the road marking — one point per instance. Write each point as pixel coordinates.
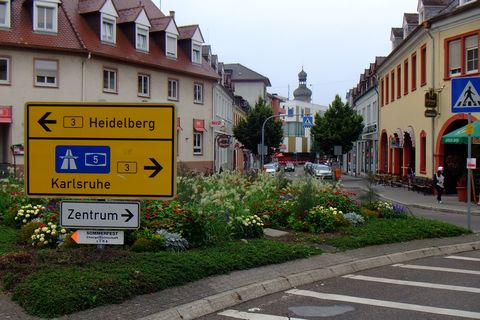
(414, 283)
(418, 267)
(253, 316)
(463, 258)
(387, 304)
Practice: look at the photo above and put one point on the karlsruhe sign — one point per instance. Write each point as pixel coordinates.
(100, 150)
(98, 237)
(100, 215)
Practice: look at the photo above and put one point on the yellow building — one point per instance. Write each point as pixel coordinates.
(423, 62)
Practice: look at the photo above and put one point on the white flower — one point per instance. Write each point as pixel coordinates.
(63, 231)
(24, 220)
(44, 229)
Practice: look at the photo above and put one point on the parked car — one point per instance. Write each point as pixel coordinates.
(271, 168)
(289, 167)
(322, 171)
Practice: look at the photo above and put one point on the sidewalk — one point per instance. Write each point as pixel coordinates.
(216, 293)
(411, 198)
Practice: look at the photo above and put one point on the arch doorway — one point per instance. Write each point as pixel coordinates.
(454, 158)
(408, 154)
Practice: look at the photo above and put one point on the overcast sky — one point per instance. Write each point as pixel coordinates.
(334, 41)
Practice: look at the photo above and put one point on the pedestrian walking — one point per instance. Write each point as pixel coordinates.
(439, 180)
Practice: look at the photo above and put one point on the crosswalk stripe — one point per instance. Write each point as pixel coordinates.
(253, 316)
(463, 258)
(419, 267)
(387, 304)
(414, 283)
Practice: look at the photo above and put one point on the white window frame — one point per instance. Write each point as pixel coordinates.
(47, 5)
(8, 11)
(171, 50)
(173, 89)
(110, 21)
(198, 93)
(141, 31)
(463, 2)
(197, 143)
(42, 78)
(112, 75)
(143, 85)
(7, 74)
(472, 49)
(196, 53)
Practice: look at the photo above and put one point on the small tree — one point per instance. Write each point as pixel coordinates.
(339, 125)
(249, 130)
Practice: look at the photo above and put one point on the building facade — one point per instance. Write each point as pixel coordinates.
(104, 51)
(442, 47)
(297, 143)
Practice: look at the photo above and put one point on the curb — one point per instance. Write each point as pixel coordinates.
(233, 297)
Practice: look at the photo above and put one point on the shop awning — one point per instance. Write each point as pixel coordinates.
(460, 136)
(5, 114)
(199, 125)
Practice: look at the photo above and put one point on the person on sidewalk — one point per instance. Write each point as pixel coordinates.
(439, 180)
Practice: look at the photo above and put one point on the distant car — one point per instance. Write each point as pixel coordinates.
(322, 171)
(271, 168)
(289, 167)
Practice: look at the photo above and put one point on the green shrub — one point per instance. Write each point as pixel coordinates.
(324, 219)
(26, 231)
(247, 227)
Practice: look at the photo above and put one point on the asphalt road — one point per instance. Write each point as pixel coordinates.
(445, 287)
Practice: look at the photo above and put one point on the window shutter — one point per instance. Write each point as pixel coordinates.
(46, 68)
(454, 55)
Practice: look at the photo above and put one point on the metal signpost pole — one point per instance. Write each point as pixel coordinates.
(469, 176)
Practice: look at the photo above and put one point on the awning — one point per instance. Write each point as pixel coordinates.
(199, 125)
(6, 114)
(460, 136)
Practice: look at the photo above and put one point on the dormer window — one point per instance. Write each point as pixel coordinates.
(196, 53)
(108, 29)
(5, 13)
(141, 38)
(171, 46)
(45, 15)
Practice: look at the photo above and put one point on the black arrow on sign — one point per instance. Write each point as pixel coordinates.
(129, 215)
(157, 167)
(43, 121)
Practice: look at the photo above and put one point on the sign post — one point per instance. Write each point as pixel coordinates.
(100, 150)
(466, 99)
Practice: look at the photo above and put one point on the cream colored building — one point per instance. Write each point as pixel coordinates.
(104, 51)
(444, 45)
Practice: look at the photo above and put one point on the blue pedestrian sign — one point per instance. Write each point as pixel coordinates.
(465, 95)
(82, 159)
(307, 121)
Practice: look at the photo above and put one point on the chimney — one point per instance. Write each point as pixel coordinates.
(172, 14)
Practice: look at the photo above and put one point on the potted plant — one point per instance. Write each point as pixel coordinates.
(462, 189)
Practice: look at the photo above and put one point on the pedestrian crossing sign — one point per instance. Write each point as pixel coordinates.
(307, 121)
(466, 95)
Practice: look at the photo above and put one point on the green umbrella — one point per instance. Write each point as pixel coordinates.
(460, 136)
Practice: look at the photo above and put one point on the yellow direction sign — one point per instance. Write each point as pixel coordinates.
(100, 150)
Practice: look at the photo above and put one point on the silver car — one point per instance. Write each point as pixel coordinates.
(322, 171)
(271, 168)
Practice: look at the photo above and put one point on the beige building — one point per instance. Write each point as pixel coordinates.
(443, 46)
(104, 51)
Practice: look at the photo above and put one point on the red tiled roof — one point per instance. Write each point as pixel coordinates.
(152, 10)
(160, 24)
(187, 32)
(128, 15)
(88, 6)
(76, 34)
(21, 31)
